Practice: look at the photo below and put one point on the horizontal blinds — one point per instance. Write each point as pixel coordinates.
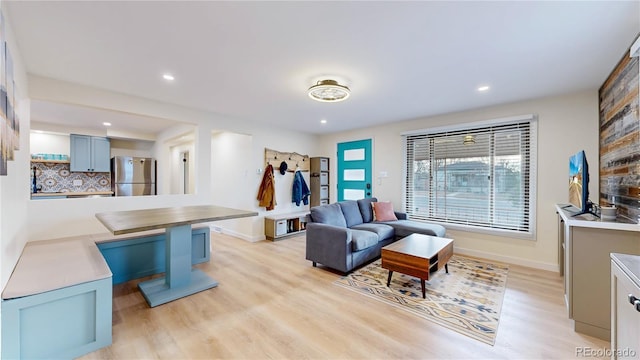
(477, 177)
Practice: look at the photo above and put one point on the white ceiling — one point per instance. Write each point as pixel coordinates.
(255, 60)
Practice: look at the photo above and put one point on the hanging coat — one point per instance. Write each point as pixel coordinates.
(267, 191)
(300, 189)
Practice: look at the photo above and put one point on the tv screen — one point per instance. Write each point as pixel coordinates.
(579, 182)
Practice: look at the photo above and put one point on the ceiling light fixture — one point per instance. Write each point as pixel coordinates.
(469, 140)
(483, 88)
(329, 91)
(168, 77)
(323, 121)
(106, 123)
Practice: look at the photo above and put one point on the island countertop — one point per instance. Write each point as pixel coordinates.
(124, 222)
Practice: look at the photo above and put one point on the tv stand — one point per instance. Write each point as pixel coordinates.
(588, 211)
(584, 247)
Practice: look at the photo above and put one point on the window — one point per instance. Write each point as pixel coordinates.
(481, 176)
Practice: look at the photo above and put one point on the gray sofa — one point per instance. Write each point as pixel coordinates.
(343, 235)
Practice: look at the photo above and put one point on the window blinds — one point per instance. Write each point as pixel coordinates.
(477, 177)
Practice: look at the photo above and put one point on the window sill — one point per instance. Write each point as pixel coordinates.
(483, 230)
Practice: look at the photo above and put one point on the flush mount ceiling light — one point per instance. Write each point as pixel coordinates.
(168, 77)
(329, 91)
(469, 140)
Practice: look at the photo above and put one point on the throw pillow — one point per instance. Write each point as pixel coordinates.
(383, 211)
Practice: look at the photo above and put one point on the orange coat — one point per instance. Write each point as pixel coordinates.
(267, 191)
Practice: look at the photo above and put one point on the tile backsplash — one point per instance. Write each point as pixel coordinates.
(57, 177)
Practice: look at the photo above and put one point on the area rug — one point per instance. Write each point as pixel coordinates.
(467, 300)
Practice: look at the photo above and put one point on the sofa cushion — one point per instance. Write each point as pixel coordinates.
(365, 209)
(383, 231)
(328, 214)
(383, 211)
(407, 227)
(351, 212)
(362, 239)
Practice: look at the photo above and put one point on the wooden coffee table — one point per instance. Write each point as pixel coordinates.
(417, 255)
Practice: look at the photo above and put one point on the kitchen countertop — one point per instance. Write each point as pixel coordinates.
(630, 265)
(591, 221)
(70, 193)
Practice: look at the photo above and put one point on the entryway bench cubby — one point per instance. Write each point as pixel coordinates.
(58, 300)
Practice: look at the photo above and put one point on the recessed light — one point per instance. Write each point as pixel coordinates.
(483, 88)
(106, 123)
(168, 77)
(323, 121)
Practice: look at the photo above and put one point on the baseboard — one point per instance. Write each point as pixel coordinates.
(221, 230)
(507, 259)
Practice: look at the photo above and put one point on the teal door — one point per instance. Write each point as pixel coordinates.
(354, 170)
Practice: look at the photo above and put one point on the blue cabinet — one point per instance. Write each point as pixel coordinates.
(90, 153)
(142, 256)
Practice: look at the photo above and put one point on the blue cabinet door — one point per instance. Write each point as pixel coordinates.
(90, 154)
(80, 153)
(100, 154)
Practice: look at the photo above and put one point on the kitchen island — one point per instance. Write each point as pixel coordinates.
(180, 279)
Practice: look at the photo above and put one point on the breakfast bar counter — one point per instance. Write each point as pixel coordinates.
(180, 279)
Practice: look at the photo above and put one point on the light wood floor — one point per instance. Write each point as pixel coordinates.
(271, 303)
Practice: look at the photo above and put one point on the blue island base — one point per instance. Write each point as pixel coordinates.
(157, 292)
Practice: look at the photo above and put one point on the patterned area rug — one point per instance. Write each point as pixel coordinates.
(467, 300)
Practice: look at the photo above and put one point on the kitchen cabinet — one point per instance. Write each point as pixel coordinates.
(319, 181)
(90, 154)
(625, 306)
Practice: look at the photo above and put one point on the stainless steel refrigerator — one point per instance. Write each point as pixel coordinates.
(133, 176)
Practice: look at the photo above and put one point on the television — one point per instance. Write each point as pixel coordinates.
(579, 184)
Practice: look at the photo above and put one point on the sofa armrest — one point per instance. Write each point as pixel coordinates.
(329, 245)
(401, 215)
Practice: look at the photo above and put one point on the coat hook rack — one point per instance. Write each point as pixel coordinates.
(272, 157)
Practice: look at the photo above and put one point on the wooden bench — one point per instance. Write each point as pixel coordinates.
(58, 300)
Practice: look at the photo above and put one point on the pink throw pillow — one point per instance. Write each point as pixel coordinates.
(383, 211)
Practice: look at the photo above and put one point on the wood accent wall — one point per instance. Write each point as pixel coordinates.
(620, 138)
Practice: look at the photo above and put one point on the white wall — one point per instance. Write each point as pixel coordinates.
(47, 143)
(231, 178)
(50, 219)
(135, 148)
(14, 188)
(567, 124)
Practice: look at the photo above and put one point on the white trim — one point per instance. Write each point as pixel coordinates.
(507, 259)
(485, 230)
(472, 125)
(404, 174)
(533, 176)
(635, 48)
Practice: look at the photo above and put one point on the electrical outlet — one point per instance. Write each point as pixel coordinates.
(77, 182)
